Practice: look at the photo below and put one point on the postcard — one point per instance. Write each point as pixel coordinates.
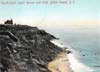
(49, 36)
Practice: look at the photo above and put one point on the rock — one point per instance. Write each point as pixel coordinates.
(68, 51)
(26, 49)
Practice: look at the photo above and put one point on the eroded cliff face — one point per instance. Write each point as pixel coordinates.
(25, 49)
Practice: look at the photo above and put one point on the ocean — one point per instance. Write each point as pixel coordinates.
(84, 42)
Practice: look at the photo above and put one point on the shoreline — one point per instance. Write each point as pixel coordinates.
(60, 63)
(74, 64)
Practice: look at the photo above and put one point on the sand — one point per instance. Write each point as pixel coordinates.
(60, 64)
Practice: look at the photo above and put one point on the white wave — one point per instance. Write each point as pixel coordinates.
(78, 66)
(56, 42)
(74, 63)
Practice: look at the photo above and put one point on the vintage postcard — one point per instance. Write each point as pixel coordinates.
(49, 36)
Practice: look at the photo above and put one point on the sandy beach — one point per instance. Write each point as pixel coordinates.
(60, 64)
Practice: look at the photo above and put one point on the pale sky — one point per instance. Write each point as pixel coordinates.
(82, 12)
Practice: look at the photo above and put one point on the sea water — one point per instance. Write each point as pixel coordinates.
(84, 42)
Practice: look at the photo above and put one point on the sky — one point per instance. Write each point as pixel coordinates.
(81, 12)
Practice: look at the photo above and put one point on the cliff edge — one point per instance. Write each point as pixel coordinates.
(26, 49)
